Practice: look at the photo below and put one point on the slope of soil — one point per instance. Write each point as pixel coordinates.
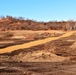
(30, 44)
(56, 57)
(9, 38)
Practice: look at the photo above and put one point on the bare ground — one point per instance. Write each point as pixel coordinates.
(52, 58)
(38, 68)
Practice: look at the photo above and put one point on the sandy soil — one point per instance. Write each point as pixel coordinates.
(30, 44)
(39, 68)
(52, 55)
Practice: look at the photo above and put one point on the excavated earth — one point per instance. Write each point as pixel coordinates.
(57, 57)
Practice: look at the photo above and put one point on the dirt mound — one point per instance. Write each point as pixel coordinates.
(40, 56)
(73, 46)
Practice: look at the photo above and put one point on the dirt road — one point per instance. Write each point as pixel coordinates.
(34, 43)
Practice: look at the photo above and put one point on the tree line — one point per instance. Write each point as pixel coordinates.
(13, 23)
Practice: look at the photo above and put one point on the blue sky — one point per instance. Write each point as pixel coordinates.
(40, 10)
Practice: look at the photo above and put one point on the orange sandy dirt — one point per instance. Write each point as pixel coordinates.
(52, 55)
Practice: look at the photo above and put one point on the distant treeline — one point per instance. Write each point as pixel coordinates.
(12, 23)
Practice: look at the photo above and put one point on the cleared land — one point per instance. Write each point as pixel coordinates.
(45, 53)
(30, 44)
